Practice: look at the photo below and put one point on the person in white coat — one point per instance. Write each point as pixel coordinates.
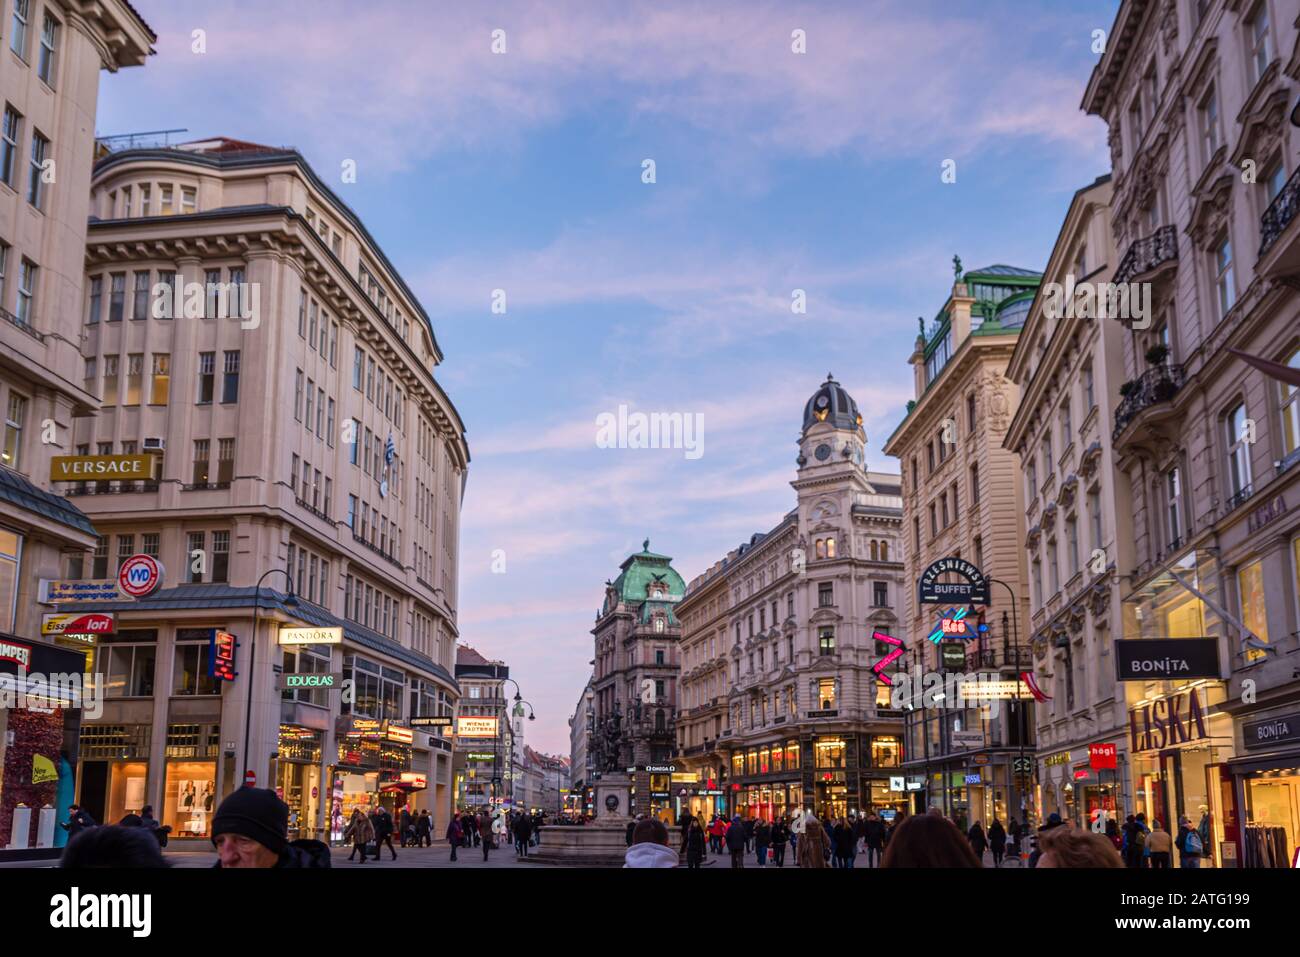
(650, 846)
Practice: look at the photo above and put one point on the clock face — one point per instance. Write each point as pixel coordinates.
(823, 452)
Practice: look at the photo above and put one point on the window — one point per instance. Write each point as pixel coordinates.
(974, 485)
(128, 670)
(943, 509)
(1289, 402)
(1250, 594)
(1046, 447)
(1053, 570)
(1067, 427)
(140, 296)
(970, 414)
(1224, 283)
(312, 313)
(320, 411)
(329, 425)
(934, 521)
(825, 594)
(96, 292)
(201, 454)
(826, 640)
(334, 343)
(194, 555)
(1258, 42)
(370, 378)
(953, 490)
(4, 262)
(18, 42)
(9, 137)
(110, 380)
(165, 206)
(36, 180)
(358, 363)
(1031, 475)
(1089, 393)
(49, 47)
(230, 377)
(90, 381)
(293, 478)
(1209, 125)
(26, 290)
(916, 535)
(207, 369)
(190, 671)
(1094, 517)
(1173, 507)
(225, 460)
(824, 692)
(880, 594)
(311, 402)
(15, 417)
(116, 296)
(353, 445)
(1037, 580)
(189, 200)
(160, 384)
(134, 378)
(1239, 439)
(979, 551)
(144, 199)
(302, 313)
(1072, 545)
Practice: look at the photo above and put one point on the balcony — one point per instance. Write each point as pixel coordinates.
(205, 487)
(1146, 396)
(307, 506)
(1238, 498)
(1149, 258)
(1279, 240)
(26, 327)
(365, 544)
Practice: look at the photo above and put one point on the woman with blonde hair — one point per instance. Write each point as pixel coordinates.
(813, 849)
(1070, 847)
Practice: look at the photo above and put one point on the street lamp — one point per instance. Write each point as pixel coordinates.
(1020, 704)
(290, 601)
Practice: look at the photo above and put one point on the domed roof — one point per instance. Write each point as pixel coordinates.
(832, 404)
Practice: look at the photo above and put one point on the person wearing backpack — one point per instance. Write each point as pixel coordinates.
(1190, 847)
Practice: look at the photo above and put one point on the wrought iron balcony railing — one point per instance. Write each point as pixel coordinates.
(25, 326)
(1280, 213)
(1158, 384)
(1147, 253)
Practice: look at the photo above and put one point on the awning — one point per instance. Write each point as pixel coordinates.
(1282, 761)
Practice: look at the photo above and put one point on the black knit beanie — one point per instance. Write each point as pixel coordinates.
(254, 813)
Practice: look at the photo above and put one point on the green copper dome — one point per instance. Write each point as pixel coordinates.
(645, 573)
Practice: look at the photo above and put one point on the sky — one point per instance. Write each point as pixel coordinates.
(525, 171)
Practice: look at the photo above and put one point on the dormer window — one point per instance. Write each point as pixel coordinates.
(660, 624)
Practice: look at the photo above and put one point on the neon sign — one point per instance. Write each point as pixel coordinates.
(953, 624)
(880, 666)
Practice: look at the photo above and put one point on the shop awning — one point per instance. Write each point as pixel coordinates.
(1282, 761)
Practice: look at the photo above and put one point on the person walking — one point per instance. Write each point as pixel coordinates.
(762, 841)
(736, 842)
(813, 846)
(844, 844)
(749, 834)
(1113, 834)
(1191, 846)
(718, 832)
(454, 835)
(78, 820)
(523, 834)
(404, 822)
(694, 844)
(684, 823)
(360, 831)
(873, 839)
(1159, 847)
(978, 842)
(780, 837)
(997, 842)
(1135, 837)
(383, 824)
(424, 830)
(485, 834)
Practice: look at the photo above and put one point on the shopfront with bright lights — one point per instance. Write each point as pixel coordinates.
(1268, 787)
(190, 782)
(298, 778)
(767, 780)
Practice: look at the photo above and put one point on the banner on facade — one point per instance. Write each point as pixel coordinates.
(1149, 659)
(476, 727)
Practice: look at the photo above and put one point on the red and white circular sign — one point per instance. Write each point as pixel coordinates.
(250, 778)
(140, 575)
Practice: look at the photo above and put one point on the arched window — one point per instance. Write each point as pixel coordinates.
(659, 623)
(884, 551)
(821, 548)
(830, 548)
(874, 551)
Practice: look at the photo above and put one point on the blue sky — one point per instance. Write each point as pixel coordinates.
(775, 171)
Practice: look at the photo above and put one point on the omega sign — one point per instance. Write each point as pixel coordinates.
(973, 591)
(1167, 722)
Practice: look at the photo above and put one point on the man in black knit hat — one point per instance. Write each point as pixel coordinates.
(251, 829)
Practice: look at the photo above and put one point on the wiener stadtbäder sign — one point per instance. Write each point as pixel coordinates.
(1149, 659)
(974, 590)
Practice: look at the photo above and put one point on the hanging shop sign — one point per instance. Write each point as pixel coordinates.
(476, 727)
(897, 783)
(395, 732)
(967, 739)
(685, 777)
(78, 468)
(311, 636)
(915, 784)
(89, 625)
(309, 681)
(1263, 734)
(1167, 722)
(973, 591)
(953, 655)
(1102, 757)
(221, 655)
(1146, 659)
(1022, 765)
(432, 721)
(359, 727)
(140, 575)
(54, 592)
(980, 759)
(414, 780)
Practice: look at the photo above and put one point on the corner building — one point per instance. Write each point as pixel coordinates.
(781, 709)
(51, 56)
(1198, 99)
(961, 499)
(308, 472)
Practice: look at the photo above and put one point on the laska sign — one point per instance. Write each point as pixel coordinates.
(1167, 722)
(974, 590)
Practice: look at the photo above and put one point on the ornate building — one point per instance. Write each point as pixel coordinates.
(781, 708)
(961, 499)
(634, 684)
(1196, 97)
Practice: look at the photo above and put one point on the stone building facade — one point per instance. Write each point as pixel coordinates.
(1197, 97)
(782, 710)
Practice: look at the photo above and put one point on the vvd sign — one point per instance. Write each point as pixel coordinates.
(140, 575)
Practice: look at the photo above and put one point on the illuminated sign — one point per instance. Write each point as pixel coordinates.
(953, 624)
(880, 666)
(1082, 774)
(311, 636)
(75, 468)
(973, 591)
(19, 654)
(54, 592)
(1146, 659)
(476, 727)
(995, 691)
(414, 780)
(1062, 757)
(973, 778)
(480, 756)
(140, 575)
(685, 777)
(1102, 756)
(897, 784)
(395, 732)
(953, 655)
(221, 655)
(95, 623)
(309, 681)
(1167, 722)
(432, 721)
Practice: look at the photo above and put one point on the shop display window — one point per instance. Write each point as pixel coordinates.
(886, 751)
(737, 765)
(764, 760)
(778, 758)
(792, 755)
(829, 752)
(751, 761)
(1254, 613)
(189, 797)
(1273, 831)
